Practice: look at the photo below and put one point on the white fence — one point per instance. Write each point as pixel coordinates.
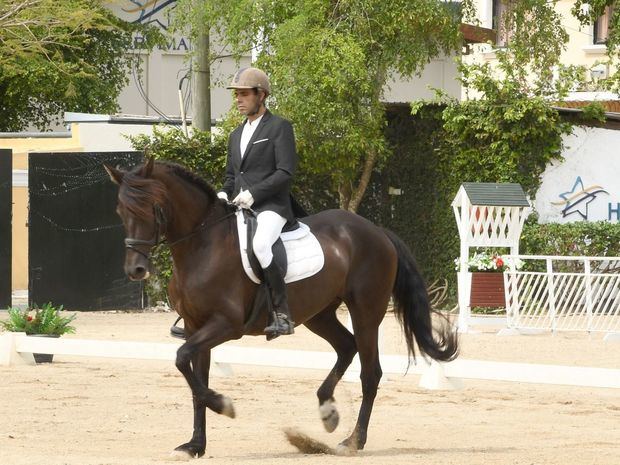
(17, 348)
(571, 294)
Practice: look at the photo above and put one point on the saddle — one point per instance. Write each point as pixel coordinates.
(297, 253)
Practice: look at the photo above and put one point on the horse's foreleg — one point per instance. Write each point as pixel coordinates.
(327, 325)
(193, 361)
(196, 446)
(215, 332)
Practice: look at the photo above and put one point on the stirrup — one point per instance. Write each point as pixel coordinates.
(177, 332)
(282, 325)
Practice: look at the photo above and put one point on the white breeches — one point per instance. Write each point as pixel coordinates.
(268, 230)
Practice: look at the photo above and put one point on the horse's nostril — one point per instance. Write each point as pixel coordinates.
(140, 270)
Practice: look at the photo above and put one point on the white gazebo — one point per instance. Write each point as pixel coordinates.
(487, 215)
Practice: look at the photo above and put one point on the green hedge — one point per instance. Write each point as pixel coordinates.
(594, 239)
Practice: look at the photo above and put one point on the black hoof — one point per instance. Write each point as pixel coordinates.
(192, 449)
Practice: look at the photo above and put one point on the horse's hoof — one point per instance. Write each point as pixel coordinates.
(187, 451)
(180, 456)
(329, 416)
(228, 408)
(344, 450)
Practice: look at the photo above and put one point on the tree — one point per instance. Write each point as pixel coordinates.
(60, 55)
(329, 62)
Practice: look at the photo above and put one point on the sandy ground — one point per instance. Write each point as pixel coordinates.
(81, 411)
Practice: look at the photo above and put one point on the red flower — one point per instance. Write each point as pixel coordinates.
(29, 318)
(499, 262)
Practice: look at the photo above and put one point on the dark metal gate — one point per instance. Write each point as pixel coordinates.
(76, 250)
(6, 236)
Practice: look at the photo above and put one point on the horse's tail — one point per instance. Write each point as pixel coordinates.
(413, 309)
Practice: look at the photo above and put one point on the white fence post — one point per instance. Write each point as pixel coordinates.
(551, 293)
(588, 286)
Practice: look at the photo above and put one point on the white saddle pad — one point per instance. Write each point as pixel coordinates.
(303, 252)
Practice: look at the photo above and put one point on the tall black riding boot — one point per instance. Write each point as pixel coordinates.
(282, 323)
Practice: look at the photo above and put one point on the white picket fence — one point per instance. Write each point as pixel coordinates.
(587, 298)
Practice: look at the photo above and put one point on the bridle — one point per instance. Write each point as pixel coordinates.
(161, 221)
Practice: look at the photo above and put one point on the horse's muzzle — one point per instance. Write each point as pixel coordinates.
(137, 272)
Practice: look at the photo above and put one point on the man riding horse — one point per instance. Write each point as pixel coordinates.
(261, 162)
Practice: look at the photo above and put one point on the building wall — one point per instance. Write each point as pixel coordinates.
(585, 186)
(440, 73)
(153, 87)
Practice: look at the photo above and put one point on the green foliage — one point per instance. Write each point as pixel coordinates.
(594, 111)
(594, 239)
(46, 320)
(61, 55)
(329, 63)
(536, 42)
(507, 136)
(199, 152)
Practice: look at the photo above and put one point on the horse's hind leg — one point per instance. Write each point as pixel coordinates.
(366, 328)
(327, 325)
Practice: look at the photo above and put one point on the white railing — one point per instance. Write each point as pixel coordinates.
(571, 294)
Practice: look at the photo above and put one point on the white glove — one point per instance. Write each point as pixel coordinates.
(222, 195)
(244, 199)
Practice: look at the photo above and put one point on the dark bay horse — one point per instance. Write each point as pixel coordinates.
(364, 266)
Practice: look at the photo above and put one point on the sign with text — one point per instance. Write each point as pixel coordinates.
(155, 13)
(585, 186)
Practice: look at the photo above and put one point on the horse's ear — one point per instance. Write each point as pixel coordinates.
(147, 169)
(115, 174)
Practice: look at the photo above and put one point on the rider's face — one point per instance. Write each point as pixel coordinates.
(248, 101)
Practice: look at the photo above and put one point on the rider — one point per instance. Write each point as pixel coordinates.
(261, 162)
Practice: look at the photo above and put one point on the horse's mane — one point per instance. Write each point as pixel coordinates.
(138, 194)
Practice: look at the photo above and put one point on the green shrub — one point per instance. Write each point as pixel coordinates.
(593, 239)
(44, 320)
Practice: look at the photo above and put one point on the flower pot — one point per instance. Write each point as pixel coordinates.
(487, 290)
(44, 358)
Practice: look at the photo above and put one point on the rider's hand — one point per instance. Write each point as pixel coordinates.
(222, 195)
(244, 199)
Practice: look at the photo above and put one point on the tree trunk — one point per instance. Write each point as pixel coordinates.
(358, 195)
(202, 101)
(344, 194)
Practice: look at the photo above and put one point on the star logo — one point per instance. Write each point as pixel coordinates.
(578, 198)
(147, 10)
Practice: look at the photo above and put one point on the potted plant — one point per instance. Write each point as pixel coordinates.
(487, 279)
(45, 322)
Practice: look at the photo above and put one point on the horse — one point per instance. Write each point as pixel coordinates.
(364, 267)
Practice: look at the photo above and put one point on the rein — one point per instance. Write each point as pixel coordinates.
(160, 220)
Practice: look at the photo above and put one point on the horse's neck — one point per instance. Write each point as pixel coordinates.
(195, 223)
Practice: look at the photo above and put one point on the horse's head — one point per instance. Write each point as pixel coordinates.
(142, 205)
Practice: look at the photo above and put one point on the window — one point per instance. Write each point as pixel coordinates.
(601, 26)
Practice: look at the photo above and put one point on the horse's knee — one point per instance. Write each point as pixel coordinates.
(184, 357)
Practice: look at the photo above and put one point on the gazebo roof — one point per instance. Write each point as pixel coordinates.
(496, 195)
